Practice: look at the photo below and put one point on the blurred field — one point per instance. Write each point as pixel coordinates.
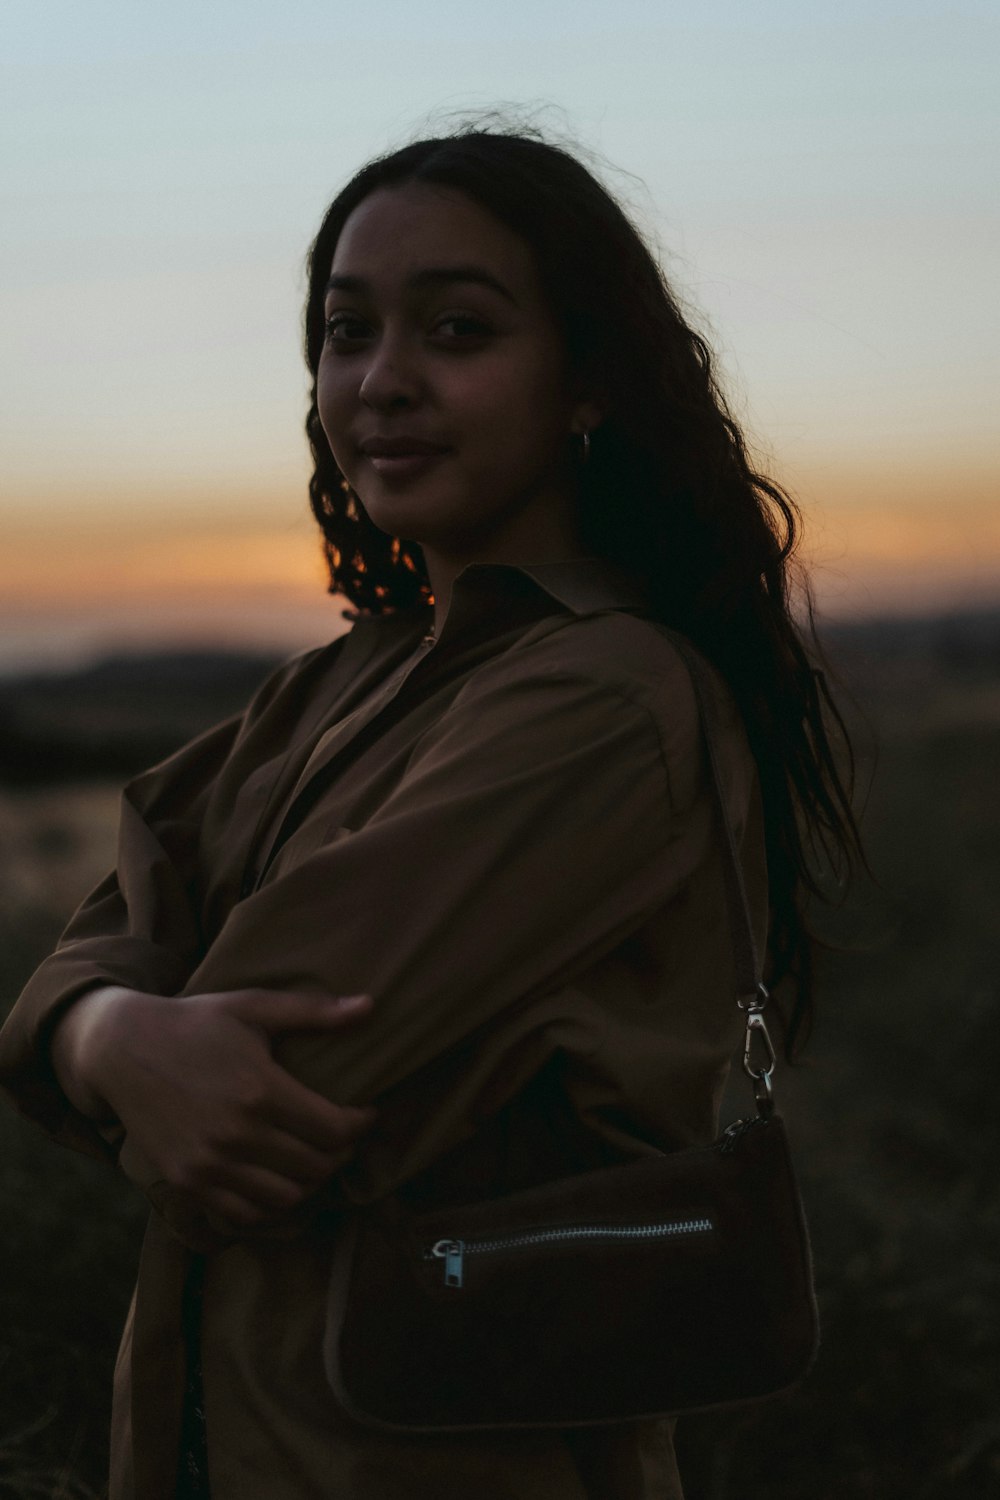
(893, 1116)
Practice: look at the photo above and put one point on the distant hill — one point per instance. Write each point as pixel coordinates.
(126, 712)
(967, 641)
(120, 714)
(907, 674)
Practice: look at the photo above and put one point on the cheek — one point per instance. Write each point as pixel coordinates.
(515, 403)
(530, 422)
(332, 403)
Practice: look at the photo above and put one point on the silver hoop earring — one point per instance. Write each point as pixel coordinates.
(586, 447)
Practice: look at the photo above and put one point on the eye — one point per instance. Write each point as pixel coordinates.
(463, 327)
(345, 328)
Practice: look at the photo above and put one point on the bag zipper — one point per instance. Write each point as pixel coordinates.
(453, 1252)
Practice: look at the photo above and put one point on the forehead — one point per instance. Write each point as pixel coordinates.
(398, 231)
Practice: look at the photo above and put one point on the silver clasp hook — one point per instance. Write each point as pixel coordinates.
(760, 1075)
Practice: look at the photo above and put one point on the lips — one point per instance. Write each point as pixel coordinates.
(402, 458)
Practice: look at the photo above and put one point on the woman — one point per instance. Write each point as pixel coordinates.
(483, 816)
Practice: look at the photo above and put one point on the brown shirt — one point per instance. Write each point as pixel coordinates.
(506, 837)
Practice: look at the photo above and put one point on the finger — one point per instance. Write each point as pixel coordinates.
(266, 1192)
(243, 1218)
(301, 1112)
(277, 1011)
(230, 1214)
(289, 1156)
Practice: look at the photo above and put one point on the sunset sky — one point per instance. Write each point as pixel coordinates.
(821, 179)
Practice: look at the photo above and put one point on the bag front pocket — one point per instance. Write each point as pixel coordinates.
(453, 1252)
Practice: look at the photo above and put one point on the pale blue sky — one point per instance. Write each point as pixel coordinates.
(823, 181)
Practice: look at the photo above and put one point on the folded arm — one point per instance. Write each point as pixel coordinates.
(530, 833)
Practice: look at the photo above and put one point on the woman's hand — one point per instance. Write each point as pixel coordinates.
(194, 1083)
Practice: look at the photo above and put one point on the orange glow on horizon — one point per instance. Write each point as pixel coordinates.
(40, 575)
(874, 533)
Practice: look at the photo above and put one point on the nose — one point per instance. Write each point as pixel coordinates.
(392, 379)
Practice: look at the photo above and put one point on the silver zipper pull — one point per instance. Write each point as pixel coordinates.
(451, 1252)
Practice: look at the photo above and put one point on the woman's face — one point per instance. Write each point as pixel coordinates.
(442, 387)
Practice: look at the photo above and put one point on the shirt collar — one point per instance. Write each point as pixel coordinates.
(582, 585)
(586, 585)
(484, 592)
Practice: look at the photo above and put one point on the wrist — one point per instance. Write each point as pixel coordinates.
(79, 1046)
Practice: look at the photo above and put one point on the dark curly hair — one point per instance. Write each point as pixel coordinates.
(670, 493)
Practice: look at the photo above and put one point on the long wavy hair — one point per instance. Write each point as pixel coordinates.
(670, 494)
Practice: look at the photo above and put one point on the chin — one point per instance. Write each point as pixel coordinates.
(444, 523)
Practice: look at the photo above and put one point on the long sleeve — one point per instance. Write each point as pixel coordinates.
(143, 927)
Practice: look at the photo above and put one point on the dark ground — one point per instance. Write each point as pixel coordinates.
(892, 1117)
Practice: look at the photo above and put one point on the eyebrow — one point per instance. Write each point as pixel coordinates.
(430, 276)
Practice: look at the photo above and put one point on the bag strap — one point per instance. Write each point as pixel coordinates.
(751, 994)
